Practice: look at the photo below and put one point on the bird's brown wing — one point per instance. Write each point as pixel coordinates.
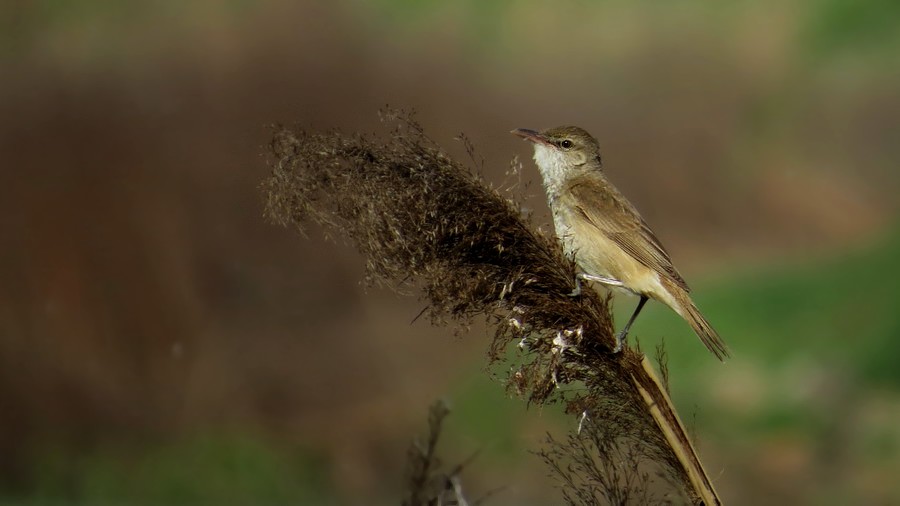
(608, 210)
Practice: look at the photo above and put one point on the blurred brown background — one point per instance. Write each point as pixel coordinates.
(160, 342)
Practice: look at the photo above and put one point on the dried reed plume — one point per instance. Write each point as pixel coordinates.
(423, 220)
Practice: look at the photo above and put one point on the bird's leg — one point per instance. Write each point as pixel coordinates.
(620, 337)
(601, 279)
(590, 277)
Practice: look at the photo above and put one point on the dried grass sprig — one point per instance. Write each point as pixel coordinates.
(421, 219)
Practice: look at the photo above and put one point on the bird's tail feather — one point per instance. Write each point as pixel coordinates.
(692, 315)
(704, 331)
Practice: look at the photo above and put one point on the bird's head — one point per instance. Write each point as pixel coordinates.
(561, 151)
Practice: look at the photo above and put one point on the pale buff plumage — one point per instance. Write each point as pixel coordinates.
(604, 232)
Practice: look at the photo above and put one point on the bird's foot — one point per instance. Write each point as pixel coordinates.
(621, 339)
(577, 291)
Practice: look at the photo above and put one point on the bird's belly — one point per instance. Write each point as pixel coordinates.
(595, 254)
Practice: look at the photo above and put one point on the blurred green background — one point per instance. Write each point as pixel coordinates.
(161, 344)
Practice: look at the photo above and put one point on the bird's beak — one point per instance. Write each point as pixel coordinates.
(530, 135)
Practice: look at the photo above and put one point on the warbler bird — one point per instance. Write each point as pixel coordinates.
(607, 237)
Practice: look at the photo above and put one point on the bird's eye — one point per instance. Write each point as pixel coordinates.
(565, 144)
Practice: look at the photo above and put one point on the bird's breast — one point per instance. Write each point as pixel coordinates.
(597, 254)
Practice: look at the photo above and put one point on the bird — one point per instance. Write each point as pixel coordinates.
(609, 240)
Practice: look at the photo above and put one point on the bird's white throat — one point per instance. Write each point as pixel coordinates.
(554, 170)
(552, 164)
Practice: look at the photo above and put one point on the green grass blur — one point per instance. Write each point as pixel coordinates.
(226, 468)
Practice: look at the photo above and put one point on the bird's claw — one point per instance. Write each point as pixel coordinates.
(620, 343)
(577, 291)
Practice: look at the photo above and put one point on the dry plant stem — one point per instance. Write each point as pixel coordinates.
(663, 411)
(426, 483)
(423, 220)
